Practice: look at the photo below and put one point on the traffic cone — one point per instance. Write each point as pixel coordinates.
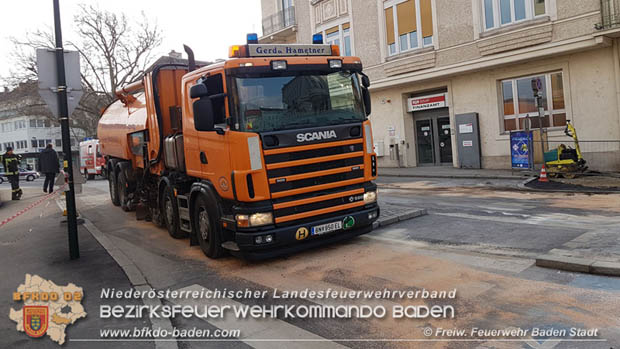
(543, 175)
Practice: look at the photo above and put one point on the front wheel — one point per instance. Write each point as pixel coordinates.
(206, 228)
(30, 178)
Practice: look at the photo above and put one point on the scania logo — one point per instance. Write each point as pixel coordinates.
(315, 136)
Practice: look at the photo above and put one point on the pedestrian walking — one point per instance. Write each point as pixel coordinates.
(49, 164)
(10, 161)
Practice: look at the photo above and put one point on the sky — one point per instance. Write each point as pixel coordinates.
(209, 27)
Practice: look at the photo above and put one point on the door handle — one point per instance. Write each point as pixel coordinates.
(203, 157)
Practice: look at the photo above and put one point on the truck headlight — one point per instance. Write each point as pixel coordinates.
(254, 220)
(370, 197)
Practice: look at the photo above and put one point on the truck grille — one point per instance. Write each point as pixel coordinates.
(306, 182)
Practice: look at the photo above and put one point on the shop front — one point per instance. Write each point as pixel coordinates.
(433, 137)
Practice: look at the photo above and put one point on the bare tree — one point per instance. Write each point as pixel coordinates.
(113, 52)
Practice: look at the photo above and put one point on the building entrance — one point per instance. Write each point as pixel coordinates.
(433, 138)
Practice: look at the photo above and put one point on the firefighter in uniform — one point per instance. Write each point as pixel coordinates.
(10, 161)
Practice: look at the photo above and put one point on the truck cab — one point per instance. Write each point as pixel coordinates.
(266, 153)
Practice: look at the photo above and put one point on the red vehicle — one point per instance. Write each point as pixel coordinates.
(92, 162)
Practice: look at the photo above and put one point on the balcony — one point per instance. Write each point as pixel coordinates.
(280, 27)
(610, 15)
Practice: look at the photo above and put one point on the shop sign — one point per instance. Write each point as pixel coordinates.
(426, 102)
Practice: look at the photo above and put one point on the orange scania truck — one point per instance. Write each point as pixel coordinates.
(266, 153)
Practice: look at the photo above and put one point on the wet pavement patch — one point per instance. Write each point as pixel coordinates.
(555, 185)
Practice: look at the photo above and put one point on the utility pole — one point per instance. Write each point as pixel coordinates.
(63, 109)
(538, 95)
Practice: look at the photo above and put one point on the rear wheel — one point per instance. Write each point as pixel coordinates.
(207, 231)
(113, 189)
(123, 191)
(170, 212)
(30, 178)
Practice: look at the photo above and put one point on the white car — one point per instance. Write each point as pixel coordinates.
(24, 174)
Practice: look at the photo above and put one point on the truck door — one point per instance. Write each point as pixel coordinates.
(213, 147)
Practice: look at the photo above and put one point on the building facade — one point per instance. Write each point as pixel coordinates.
(434, 63)
(27, 127)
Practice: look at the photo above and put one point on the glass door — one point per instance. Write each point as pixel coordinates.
(445, 140)
(424, 135)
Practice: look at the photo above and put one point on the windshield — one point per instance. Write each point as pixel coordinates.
(308, 100)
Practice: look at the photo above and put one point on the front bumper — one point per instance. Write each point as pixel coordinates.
(285, 239)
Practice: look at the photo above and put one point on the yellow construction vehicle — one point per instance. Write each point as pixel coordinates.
(564, 160)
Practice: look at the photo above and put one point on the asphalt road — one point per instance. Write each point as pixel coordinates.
(475, 239)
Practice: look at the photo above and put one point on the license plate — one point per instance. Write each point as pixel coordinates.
(326, 228)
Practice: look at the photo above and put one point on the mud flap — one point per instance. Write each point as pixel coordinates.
(143, 212)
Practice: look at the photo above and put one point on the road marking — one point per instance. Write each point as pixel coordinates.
(257, 329)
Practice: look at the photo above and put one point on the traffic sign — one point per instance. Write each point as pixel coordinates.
(48, 79)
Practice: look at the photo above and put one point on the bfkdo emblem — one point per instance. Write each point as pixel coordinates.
(35, 320)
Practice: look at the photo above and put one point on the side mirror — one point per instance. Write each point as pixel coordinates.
(366, 97)
(365, 81)
(203, 114)
(198, 90)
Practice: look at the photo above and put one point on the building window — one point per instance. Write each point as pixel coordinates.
(19, 124)
(406, 27)
(519, 102)
(33, 123)
(7, 127)
(498, 13)
(340, 36)
(22, 145)
(58, 143)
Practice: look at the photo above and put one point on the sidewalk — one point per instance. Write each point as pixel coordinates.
(595, 252)
(451, 172)
(36, 243)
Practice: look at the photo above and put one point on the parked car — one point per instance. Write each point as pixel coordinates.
(24, 174)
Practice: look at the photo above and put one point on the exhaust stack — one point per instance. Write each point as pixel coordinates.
(191, 62)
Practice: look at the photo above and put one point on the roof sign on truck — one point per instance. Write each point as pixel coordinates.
(259, 50)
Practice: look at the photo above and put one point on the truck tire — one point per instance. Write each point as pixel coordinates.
(123, 191)
(206, 228)
(170, 212)
(113, 189)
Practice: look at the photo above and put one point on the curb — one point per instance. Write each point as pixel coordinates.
(451, 176)
(399, 218)
(580, 265)
(136, 278)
